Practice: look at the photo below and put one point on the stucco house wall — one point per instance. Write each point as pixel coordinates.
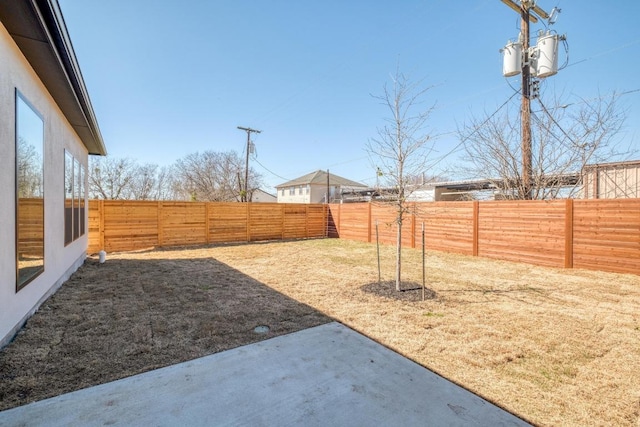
(60, 261)
(311, 193)
(301, 194)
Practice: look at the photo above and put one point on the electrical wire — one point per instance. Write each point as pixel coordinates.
(459, 145)
(465, 139)
(515, 89)
(268, 170)
(565, 43)
(606, 52)
(600, 98)
(546, 111)
(544, 108)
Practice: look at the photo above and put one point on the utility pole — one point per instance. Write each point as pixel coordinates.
(524, 9)
(525, 110)
(244, 193)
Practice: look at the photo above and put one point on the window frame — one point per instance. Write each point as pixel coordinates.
(22, 282)
(75, 173)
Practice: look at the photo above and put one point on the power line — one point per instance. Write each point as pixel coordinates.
(465, 139)
(599, 98)
(606, 52)
(347, 161)
(556, 123)
(477, 128)
(255, 159)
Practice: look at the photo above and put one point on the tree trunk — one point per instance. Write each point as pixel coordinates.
(399, 254)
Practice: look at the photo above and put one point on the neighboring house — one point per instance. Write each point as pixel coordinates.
(618, 180)
(47, 131)
(261, 196)
(257, 196)
(313, 188)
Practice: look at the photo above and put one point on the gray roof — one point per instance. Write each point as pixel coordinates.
(38, 28)
(319, 177)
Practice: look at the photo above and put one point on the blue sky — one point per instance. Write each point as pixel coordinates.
(169, 78)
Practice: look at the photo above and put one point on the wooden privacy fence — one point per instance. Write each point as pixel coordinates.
(593, 234)
(124, 225)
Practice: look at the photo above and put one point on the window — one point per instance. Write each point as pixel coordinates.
(68, 198)
(282, 192)
(292, 191)
(300, 190)
(74, 198)
(29, 192)
(308, 188)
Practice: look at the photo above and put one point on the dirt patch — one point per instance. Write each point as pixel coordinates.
(556, 347)
(409, 291)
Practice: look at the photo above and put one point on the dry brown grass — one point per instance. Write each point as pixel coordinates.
(557, 347)
(140, 311)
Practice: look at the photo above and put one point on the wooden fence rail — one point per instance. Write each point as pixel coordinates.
(124, 225)
(593, 234)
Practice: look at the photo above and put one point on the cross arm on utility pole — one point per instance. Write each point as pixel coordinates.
(529, 5)
(249, 130)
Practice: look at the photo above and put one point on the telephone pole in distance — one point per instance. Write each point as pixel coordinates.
(244, 192)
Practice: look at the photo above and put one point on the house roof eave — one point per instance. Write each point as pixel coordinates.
(38, 29)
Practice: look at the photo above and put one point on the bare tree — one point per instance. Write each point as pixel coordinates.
(29, 166)
(123, 178)
(166, 187)
(564, 140)
(144, 183)
(111, 178)
(213, 176)
(401, 149)
(208, 176)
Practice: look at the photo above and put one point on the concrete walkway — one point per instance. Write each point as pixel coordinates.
(329, 375)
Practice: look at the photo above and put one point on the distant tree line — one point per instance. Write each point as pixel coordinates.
(206, 176)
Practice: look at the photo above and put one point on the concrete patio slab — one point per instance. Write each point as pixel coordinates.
(329, 375)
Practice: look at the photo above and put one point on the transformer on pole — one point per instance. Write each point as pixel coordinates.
(539, 61)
